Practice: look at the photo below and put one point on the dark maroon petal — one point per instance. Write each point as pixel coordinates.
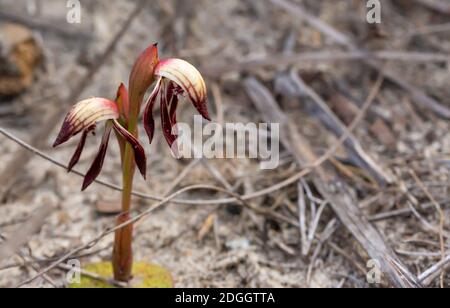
(167, 126)
(149, 121)
(139, 152)
(97, 165)
(172, 92)
(78, 151)
(169, 91)
(202, 107)
(173, 110)
(173, 113)
(65, 133)
(76, 156)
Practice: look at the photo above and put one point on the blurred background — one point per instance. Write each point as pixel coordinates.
(316, 67)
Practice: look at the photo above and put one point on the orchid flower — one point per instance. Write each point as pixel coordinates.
(83, 118)
(174, 78)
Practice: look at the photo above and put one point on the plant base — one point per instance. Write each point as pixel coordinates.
(145, 276)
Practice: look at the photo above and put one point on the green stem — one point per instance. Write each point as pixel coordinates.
(128, 176)
(123, 250)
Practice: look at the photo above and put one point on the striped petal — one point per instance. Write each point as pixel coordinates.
(149, 121)
(84, 115)
(166, 123)
(189, 79)
(76, 156)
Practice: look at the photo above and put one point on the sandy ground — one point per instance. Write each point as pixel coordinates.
(241, 248)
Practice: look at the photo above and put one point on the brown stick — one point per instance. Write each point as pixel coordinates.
(353, 146)
(427, 277)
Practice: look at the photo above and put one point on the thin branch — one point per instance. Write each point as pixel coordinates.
(94, 276)
(330, 186)
(441, 220)
(434, 272)
(283, 60)
(418, 96)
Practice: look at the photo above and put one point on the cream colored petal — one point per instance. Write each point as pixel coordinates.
(188, 78)
(84, 115)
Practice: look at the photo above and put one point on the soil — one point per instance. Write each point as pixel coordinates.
(230, 245)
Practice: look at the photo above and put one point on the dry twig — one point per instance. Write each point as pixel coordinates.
(328, 184)
(418, 95)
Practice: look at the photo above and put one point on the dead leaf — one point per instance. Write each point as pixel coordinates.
(108, 207)
(384, 134)
(344, 109)
(207, 227)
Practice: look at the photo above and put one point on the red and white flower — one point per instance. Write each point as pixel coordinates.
(83, 118)
(175, 78)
